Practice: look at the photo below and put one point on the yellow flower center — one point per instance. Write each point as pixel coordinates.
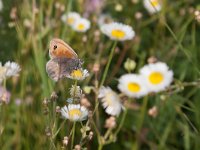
(70, 20)
(74, 112)
(154, 3)
(156, 77)
(81, 26)
(77, 73)
(118, 33)
(134, 87)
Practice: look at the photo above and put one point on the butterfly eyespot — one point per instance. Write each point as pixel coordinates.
(54, 47)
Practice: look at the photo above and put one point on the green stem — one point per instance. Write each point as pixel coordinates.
(107, 133)
(59, 129)
(108, 64)
(75, 86)
(141, 120)
(4, 83)
(122, 122)
(73, 134)
(100, 147)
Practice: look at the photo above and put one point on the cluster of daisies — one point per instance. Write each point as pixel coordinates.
(74, 111)
(76, 22)
(116, 30)
(153, 77)
(9, 69)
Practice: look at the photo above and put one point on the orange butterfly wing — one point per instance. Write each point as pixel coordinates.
(58, 48)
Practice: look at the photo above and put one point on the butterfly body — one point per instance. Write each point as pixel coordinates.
(63, 60)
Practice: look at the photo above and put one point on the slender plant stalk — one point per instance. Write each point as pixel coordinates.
(73, 134)
(108, 64)
(100, 147)
(141, 121)
(122, 121)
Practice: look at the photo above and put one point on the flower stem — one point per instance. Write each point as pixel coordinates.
(108, 64)
(100, 147)
(73, 134)
(141, 121)
(122, 122)
(4, 83)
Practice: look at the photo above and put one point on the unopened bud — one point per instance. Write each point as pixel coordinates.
(153, 112)
(77, 147)
(152, 60)
(91, 135)
(129, 65)
(118, 7)
(54, 96)
(87, 89)
(65, 141)
(96, 67)
(57, 109)
(110, 122)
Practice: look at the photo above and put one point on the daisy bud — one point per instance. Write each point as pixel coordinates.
(54, 96)
(163, 97)
(58, 109)
(85, 102)
(138, 15)
(152, 60)
(62, 8)
(91, 135)
(57, 5)
(118, 7)
(129, 65)
(65, 141)
(48, 132)
(84, 39)
(96, 67)
(134, 1)
(4, 96)
(153, 112)
(45, 102)
(75, 91)
(110, 122)
(77, 147)
(13, 13)
(90, 114)
(87, 89)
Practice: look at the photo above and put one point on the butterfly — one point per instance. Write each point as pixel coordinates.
(63, 60)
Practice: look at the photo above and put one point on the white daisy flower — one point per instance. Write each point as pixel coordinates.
(2, 73)
(157, 76)
(70, 18)
(110, 101)
(81, 25)
(12, 69)
(132, 85)
(78, 74)
(152, 6)
(74, 112)
(118, 31)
